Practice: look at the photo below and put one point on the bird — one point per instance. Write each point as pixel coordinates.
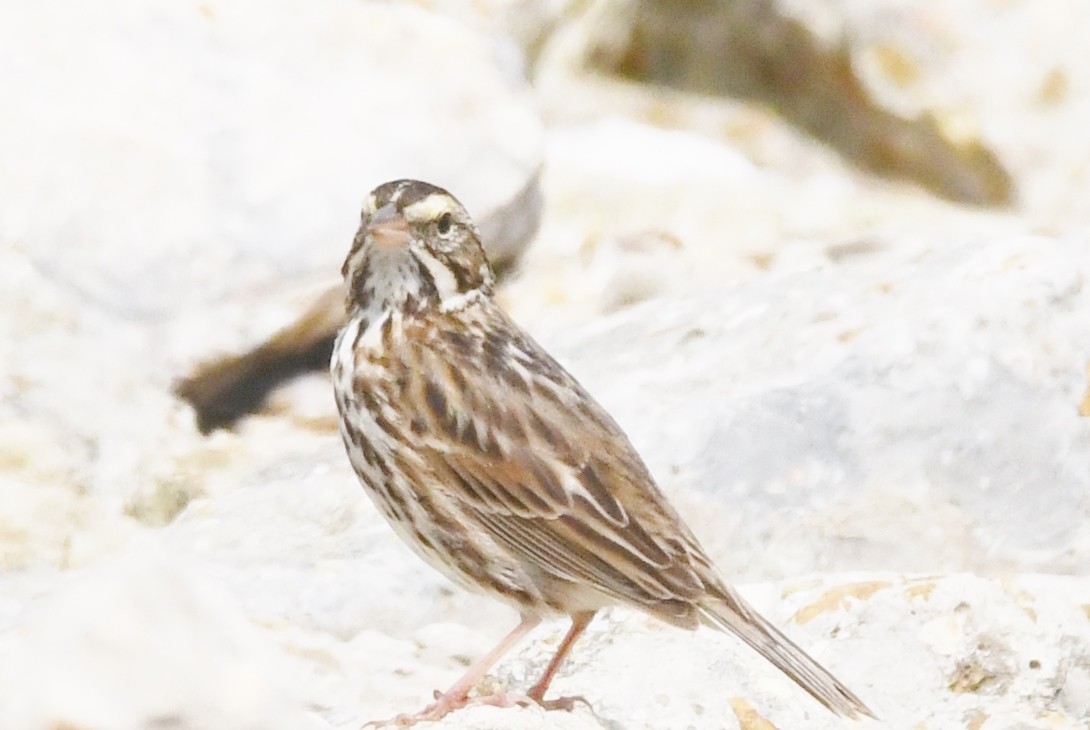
(498, 468)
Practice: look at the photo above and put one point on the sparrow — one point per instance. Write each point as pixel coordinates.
(498, 468)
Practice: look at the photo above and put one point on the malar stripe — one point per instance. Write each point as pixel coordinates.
(463, 283)
(428, 288)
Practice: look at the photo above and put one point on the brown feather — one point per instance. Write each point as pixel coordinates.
(496, 466)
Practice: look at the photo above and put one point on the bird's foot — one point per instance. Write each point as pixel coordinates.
(512, 699)
(567, 704)
(444, 705)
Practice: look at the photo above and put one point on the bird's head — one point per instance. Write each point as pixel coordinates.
(416, 248)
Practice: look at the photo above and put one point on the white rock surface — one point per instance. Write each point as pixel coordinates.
(178, 181)
(175, 154)
(1013, 76)
(143, 642)
(977, 100)
(906, 405)
(865, 401)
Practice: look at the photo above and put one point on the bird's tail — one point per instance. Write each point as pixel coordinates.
(733, 614)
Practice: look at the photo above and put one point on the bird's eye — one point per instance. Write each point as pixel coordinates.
(443, 224)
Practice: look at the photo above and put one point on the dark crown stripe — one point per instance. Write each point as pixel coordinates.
(409, 192)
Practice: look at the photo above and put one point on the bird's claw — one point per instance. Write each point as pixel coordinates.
(567, 704)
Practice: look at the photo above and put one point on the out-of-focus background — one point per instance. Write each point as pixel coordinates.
(827, 263)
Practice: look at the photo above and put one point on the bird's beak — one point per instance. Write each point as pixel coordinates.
(388, 228)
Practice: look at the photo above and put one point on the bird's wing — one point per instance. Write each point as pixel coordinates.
(535, 462)
(532, 459)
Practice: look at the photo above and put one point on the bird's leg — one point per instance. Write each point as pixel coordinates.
(457, 696)
(460, 689)
(579, 623)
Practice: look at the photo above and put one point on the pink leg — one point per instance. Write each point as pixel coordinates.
(579, 624)
(460, 689)
(457, 696)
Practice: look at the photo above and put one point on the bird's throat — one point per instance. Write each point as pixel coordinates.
(389, 282)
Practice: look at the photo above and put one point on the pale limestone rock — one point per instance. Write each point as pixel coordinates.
(180, 179)
(976, 101)
(170, 155)
(913, 404)
(825, 372)
(144, 642)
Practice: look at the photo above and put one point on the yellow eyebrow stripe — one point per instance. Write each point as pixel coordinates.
(430, 208)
